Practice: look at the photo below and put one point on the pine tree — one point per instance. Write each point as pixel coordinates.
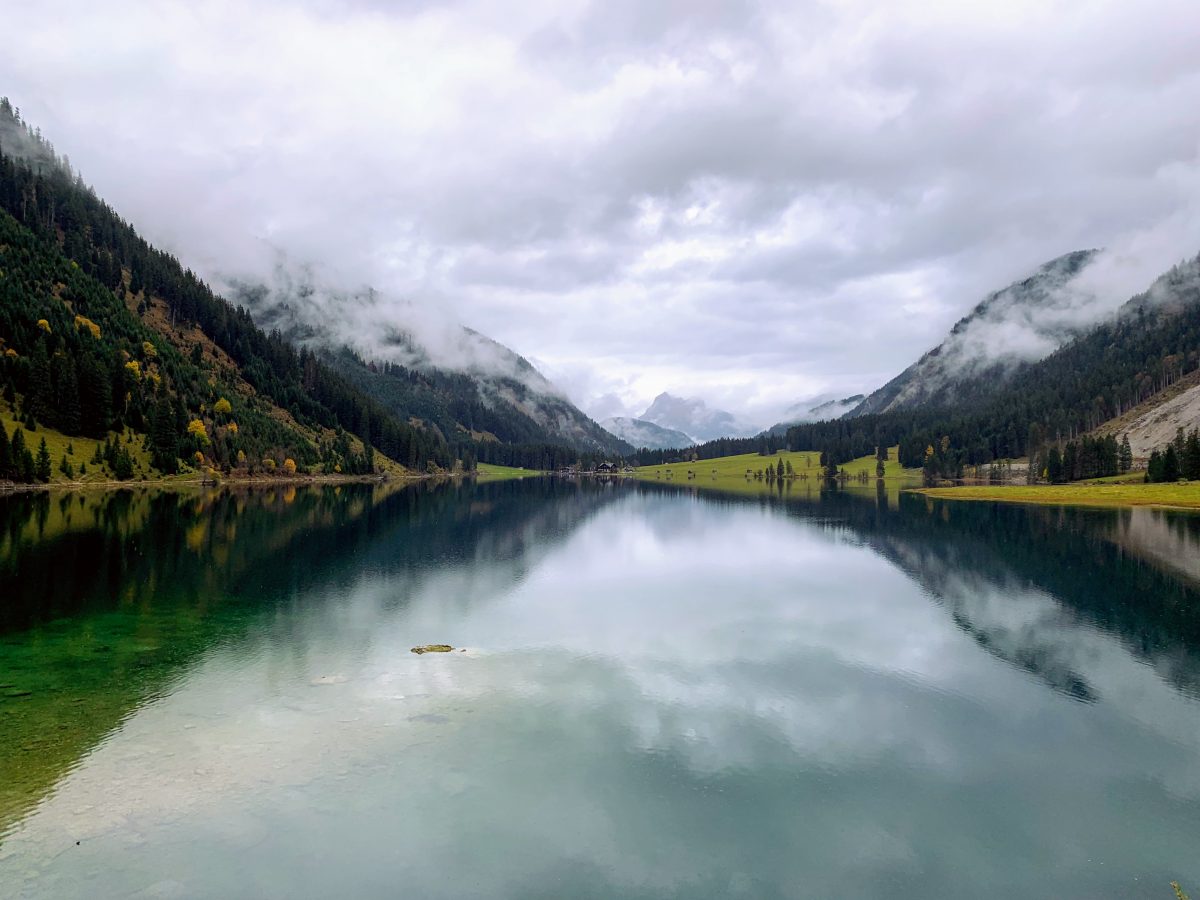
(18, 450)
(26, 471)
(1125, 462)
(66, 393)
(1154, 469)
(43, 462)
(122, 463)
(1054, 466)
(1191, 456)
(164, 439)
(95, 397)
(1170, 464)
(6, 466)
(41, 400)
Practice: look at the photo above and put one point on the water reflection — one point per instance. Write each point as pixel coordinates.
(109, 597)
(665, 693)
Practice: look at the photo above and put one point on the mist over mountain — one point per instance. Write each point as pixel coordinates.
(695, 418)
(641, 433)
(816, 410)
(1024, 322)
(433, 368)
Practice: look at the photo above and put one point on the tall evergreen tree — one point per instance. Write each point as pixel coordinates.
(164, 438)
(1170, 464)
(1191, 456)
(95, 397)
(6, 467)
(1154, 468)
(42, 464)
(1054, 466)
(40, 395)
(66, 393)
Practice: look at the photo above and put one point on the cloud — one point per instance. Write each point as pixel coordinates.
(752, 201)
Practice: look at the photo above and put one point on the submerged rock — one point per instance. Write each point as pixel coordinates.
(432, 648)
(329, 679)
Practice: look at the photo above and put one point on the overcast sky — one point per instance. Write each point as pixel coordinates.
(752, 202)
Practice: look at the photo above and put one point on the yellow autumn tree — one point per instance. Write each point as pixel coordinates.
(83, 323)
(289, 466)
(149, 350)
(233, 428)
(134, 368)
(196, 429)
(44, 325)
(222, 406)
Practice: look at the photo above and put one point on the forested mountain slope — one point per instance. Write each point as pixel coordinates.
(1151, 343)
(101, 331)
(443, 375)
(1023, 322)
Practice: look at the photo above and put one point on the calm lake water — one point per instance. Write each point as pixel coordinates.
(664, 694)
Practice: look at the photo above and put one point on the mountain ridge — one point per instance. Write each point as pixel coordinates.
(641, 433)
(973, 359)
(468, 384)
(695, 418)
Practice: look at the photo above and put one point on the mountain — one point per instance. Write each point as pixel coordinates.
(1024, 322)
(1135, 370)
(109, 340)
(816, 411)
(694, 418)
(423, 368)
(641, 433)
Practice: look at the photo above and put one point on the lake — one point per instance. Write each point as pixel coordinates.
(662, 692)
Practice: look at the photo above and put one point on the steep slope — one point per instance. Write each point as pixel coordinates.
(695, 418)
(423, 367)
(1153, 423)
(102, 332)
(640, 433)
(1024, 322)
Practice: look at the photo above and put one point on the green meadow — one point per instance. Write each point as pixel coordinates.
(1103, 492)
(497, 473)
(805, 463)
(79, 450)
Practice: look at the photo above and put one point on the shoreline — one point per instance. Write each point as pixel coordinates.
(7, 489)
(1181, 496)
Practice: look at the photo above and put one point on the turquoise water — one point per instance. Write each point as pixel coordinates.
(661, 693)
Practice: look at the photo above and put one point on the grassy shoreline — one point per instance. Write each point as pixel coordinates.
(9, 488)
(1099, 494)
